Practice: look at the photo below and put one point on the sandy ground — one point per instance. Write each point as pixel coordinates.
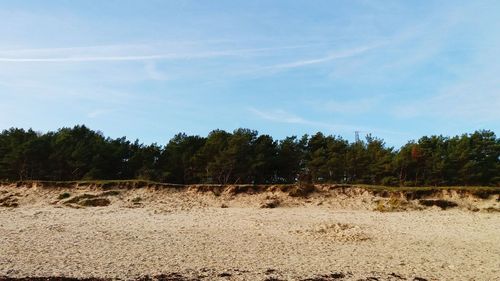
(190, 234)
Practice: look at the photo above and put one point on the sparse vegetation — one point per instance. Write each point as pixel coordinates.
(443, 204)
(217, 191)
(394, 204)
(64, 195)
(136, 200)
(492, 210)
(95, 202)
(9, 201)
(111, 193)
(302, 190)
(270, 204)
(79, 198)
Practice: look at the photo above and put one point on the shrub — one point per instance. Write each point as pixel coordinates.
(270, 204)
(64, 195)
(443, 204)
(394, 204)
(302, 190)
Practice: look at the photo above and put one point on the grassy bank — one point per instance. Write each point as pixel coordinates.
(303, 189)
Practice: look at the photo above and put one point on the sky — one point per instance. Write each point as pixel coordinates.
(150, 69)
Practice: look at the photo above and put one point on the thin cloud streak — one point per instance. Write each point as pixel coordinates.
(330, 57)
(278, 116)
(281, 116)
(168, 56)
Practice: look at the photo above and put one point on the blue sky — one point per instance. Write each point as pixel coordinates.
(150, 69)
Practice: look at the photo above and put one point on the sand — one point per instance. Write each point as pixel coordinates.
(150, 232)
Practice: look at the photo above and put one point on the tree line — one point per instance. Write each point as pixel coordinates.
(244, 156)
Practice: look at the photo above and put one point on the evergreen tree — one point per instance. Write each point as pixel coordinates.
(245, 157)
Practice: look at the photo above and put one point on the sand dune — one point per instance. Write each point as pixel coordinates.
(187, 234)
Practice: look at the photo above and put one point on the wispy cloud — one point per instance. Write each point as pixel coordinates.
(357, 106)
(471, 95)
(282, 116)
(476, 100)
(107, 54)
(278, 115)
(89, 59)
(361, 67)
(332, 56)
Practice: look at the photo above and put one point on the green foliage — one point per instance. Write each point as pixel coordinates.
(245, 157)
(290, 159)
(389, 181)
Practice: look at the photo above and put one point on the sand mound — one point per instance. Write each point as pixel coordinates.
(222, 233)
(340, 232)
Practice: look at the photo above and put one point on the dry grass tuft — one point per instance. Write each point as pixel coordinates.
(88, 200)
(443, 204)
(95, 202)
(394, 204)
(302, 190)
(111, 193)
(64, 195)
(9, 201)
(270, 204)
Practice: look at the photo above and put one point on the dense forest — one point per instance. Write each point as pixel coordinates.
(244, 156)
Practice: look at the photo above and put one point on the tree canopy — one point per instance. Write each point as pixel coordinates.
(244, 156)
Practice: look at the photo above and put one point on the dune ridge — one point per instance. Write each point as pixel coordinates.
(149, 231)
